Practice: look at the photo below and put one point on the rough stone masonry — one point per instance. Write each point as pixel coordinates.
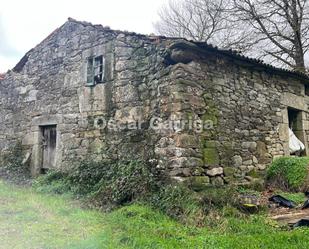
(90, 92)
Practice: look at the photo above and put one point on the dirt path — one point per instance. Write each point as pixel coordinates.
(291, 216)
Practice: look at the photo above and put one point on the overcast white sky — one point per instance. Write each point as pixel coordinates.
(23, 24)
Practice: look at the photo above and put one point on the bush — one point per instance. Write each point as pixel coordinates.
(178, 202)
(83, 179)
(191, 208)
(86, 177)
(124, 182)
(52, 182)
(288, 173)
(13, 158)
(106, 183)
(217, 198)
(113, 184)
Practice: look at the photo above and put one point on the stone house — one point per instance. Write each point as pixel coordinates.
(187, 108)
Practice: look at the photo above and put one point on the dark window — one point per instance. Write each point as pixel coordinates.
(307, 90)
(95, 70)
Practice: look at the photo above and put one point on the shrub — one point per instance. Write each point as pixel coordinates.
(13, 158)
(199, 209)
(85, 177)
(81, 180)
(52, 182)
(124, 182)
(174, 200)
(113, 184)
(107, 183)
(216, 198)
(180, 203)
(288, 173)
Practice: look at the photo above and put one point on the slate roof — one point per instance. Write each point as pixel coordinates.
(255, 63)
(200, 46)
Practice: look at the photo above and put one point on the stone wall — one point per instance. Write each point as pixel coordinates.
(48, 88)
(248, 107)
(151, 83)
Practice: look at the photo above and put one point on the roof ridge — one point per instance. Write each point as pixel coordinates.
(201, 45)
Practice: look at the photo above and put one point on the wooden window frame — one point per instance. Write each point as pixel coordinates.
(95, 70)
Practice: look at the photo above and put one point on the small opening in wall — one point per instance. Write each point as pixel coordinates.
(100, 122)
(44, 171)
(307, 90)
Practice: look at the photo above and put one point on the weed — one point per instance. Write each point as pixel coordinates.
(12, 159)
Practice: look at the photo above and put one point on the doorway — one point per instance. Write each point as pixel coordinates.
(49, 143)
(296, 125)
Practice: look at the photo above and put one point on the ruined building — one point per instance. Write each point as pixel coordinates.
(87, 91)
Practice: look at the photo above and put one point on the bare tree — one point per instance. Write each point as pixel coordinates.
(280, 29)
(198, 20)
(274, 30)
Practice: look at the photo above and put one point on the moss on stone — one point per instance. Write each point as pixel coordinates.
(211, 113)
(190, 115)
(211, 156)
(210, 152)
(198, 183)
(210, 144)
(254, 173)
(229, 171)
(198, 170)
(140, 52)
(207, 97)
(227, 153)
(229, 179)
(210, 117)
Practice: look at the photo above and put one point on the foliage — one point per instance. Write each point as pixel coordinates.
(214, 197)
(13, 158)
(248, 191)
(113, 184)
(124, 182)
(53, 182)
(85, 178)
(178, 202)
(106, 183)
(199, 209)
(288, 173)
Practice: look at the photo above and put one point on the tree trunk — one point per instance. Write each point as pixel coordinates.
(299, 59)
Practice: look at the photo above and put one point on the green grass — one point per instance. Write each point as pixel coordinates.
(297, 198)
(32, 220)
(141, 227)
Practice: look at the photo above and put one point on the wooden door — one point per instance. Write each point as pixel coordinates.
(49, 146)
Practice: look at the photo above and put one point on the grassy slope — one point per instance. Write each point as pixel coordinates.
(31, 220)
